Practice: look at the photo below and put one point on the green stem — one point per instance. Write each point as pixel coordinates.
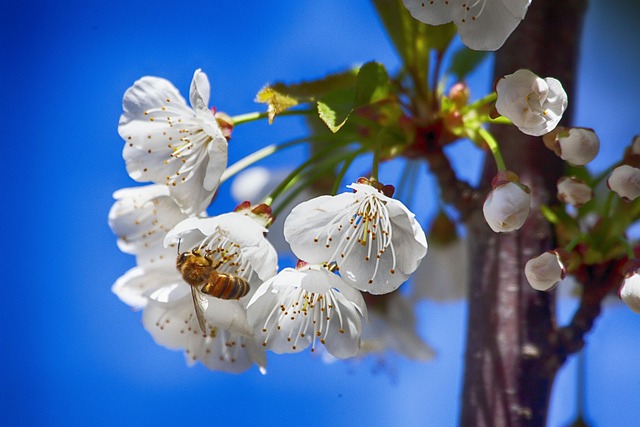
(573, 243)
(304, 181)
(376, 163)
(493, 146)
(293, 177)
(343, 170)
(502, 120)
(481, 102)
(252, 158)
(251, 117)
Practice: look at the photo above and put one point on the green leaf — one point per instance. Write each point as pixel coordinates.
(335, 108)
(372, 85)
(281, 96)
(465, 60)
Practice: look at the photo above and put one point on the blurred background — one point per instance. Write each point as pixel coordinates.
(72, 354)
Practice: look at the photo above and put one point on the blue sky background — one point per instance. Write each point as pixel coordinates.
(72, 354)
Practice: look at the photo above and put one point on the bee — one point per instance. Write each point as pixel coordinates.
(201, 273)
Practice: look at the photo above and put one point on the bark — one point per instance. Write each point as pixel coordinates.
(508, 377)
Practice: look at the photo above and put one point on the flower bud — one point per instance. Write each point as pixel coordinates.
(573, 191)
(545, 271)
(533, 104)
(630, 290)
(625, 181)
(508, 204)
(459, 94)
(577, 146)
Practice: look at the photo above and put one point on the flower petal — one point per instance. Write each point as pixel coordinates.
(434, 12)
(199, 91)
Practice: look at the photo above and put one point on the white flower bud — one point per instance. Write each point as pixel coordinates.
(573, 191)
(625, 181)
(630, 292)
(533, 104)
(635, 145)
(507, 206)
(545, 271)
(578, 146)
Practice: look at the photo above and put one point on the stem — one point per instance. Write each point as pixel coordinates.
(477, 104)
(294, 176)
(376, 162)
(343, 170)
(493, 146)
(502, 120)
(254, 157)
(320, 171)
(251, 117)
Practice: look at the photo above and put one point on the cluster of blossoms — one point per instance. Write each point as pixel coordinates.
(190, 266)
(211, 285)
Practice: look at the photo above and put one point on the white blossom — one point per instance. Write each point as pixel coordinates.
(141, 218)
(507, 206)
(220, 337)
(544, 271)
(630, 292)
(482, 24)
(573, 191)
(533, 104)
(167, 142)
(305, 307)
(578, 146)
(225, 345)
(375, 240)
(233, 241)
(625, 182)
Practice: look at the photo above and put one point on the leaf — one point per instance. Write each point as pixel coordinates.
(281, 96)
(372, 85)
(335, 108)
(413, 39)
(465, 60)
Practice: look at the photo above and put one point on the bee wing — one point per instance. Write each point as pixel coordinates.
(199, 304)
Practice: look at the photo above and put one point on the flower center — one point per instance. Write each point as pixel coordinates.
(226, 255)
(303, 312)
(364, 229)
(535, 103)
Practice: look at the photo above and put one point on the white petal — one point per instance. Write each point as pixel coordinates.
(168, 143)
(171, 324)
(141, 217)
(132, 287)
(544, 271)
(507, 207)
(434, 12)
(486, 25)
(573, 191)
(517, 8)
(199, 91)
(323, 230)
(625, 182)
(228, 314)
(579, 147)
(174, 325)
(630, 292)
(218, 157)
(533, 104)
(308, 221)
(288, 318)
